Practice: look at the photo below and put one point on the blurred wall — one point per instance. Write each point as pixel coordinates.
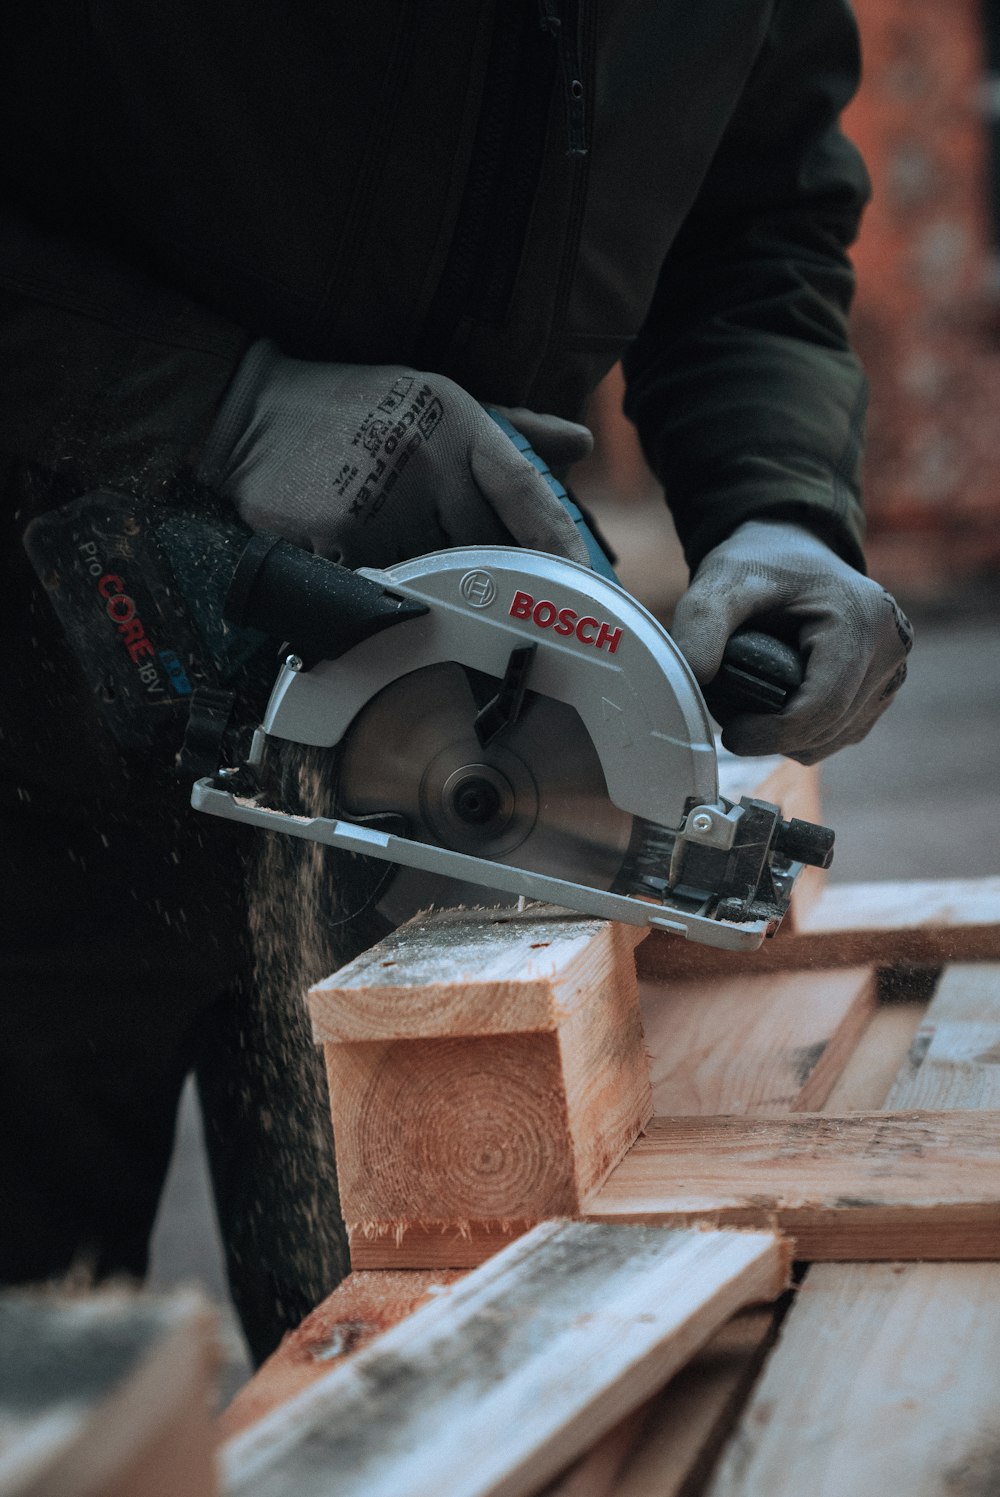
(925, 322)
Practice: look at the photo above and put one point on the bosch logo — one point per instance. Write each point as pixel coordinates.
(478, 589)
(565, 621)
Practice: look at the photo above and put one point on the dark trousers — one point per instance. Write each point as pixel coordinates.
(124, 965)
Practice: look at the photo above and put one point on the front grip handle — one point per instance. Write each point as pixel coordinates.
(320, 608)
(759, 674)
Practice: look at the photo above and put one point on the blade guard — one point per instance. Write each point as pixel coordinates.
(599, 651)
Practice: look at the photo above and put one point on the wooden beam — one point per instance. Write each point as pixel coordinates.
(107, 1393)
(887, 1378)
(496, 1385)
(923, 923)
(486, 1071)
(902, 1185)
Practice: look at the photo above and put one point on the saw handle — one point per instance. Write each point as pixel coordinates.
(595, 553)
(759, 674)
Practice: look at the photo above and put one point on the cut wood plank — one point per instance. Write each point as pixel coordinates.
(900, 1185)
(486, 1071)
(754, 1045)
(359, 1309)
(497, 1384)
(105, 1395)
(887, 1379)
(472, 973)
(918, 923)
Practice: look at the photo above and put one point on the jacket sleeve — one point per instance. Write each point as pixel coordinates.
(109, 377)
(746, 395)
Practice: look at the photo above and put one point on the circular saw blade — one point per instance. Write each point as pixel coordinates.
(535, 798)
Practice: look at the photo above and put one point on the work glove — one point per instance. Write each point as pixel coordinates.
(372, 464)
(853, 637)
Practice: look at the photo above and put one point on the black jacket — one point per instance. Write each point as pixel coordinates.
(390, 182)
(455, 186)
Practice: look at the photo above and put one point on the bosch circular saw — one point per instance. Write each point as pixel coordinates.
(507, 723)
(500, 722)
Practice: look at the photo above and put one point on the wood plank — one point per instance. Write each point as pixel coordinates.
(760, 1045)
(107, 1393)
(919, 923)
(901, 1185)
(486, 1070)
(663, 1449)
(887, 1378)
(461, 973)
(864, 1082)
(593, 1317)
(360, 1308)
(755, 1045)
(954, 1058)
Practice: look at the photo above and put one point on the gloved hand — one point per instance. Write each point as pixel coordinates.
(373, 464)
(852, 634)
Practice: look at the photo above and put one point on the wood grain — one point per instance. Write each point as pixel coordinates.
(664, 1448)
(918, 923)
(901, 1185)
(759, 1045)
(954, 1057)
(361, 1307)
(762, 1045)
(471, 972)
(486, 1071)
(887, 1378)
(495, 1385)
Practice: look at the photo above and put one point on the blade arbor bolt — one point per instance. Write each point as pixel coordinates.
(476, 801)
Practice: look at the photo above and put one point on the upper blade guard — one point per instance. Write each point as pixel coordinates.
(599, 652)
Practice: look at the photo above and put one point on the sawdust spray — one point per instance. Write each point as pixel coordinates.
(309, 912)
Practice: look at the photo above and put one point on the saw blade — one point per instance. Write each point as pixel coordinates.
(535, 797)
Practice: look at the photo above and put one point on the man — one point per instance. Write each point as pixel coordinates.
(240, 245)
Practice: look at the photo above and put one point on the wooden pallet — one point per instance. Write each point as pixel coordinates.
(854, 1069)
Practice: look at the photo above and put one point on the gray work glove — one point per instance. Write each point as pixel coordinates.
(853, 636)
(372, 464)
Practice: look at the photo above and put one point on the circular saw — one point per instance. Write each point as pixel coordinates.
(507, 724)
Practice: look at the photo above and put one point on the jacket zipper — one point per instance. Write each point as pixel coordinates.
(478, 278)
